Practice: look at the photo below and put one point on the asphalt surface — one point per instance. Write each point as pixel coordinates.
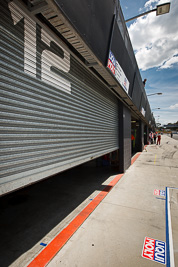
(175, 136)
(113, 233)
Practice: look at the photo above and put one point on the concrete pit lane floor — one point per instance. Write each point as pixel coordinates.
(113, 233)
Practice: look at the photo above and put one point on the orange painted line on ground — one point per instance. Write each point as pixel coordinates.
(135, 157)
(61, 239)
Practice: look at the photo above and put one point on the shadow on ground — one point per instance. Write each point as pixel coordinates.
(29, 214)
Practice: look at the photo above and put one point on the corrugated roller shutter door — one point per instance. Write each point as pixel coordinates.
(45, 129)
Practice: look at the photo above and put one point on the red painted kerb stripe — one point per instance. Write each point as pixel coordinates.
(135, 157)
(60, 240)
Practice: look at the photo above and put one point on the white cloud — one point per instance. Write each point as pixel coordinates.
(174, 106)
(166, 117)
(170, 62)
(149, 3)
(155, 38)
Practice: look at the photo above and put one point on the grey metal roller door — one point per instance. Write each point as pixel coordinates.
(44, 128)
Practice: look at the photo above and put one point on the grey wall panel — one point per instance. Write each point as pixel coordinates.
(137, 93)
(93, 20)
(121, 53)
(44, 127)
(125, 138)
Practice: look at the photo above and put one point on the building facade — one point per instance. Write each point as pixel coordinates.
(71, 90)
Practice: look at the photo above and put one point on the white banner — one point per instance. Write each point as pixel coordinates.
(118, 72)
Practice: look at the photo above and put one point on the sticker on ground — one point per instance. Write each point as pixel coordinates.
(158, 192)
(154, 250)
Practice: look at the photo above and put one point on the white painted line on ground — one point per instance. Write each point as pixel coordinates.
(170, 249)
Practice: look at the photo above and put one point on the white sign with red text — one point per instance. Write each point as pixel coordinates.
(118, 72)
(154, 250)
(158, 192)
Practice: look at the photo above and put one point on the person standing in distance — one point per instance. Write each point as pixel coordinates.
(159, 139)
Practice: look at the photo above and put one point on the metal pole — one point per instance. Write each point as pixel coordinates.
(155, 94)
(141, 15)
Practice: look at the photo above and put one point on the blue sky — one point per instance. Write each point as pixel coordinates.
(155, 42)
